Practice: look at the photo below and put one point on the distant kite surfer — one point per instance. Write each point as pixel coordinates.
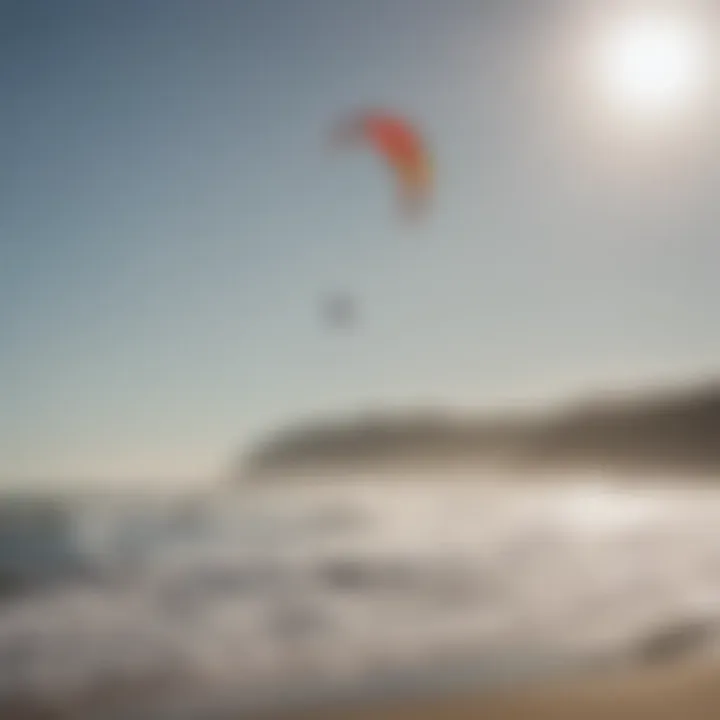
(340, 311)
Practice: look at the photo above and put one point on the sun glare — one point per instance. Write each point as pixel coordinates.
(652, 65)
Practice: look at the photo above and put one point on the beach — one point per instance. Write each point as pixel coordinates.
(687, 690)
(376, 596)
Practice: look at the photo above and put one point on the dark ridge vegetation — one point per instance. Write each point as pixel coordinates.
(670, 430)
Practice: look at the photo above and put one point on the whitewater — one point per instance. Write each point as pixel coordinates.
(298, 591)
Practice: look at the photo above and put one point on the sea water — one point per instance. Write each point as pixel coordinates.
(341, 587)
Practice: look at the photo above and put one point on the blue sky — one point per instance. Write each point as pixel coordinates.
(170, 218)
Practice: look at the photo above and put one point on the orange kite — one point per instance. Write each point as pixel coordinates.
(402, 148)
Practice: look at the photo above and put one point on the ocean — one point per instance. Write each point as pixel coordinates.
(150, 605)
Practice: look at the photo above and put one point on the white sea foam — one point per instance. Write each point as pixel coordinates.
(322, 587)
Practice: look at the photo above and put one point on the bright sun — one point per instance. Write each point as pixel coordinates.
(652, 65)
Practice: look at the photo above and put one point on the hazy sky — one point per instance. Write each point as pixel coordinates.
(170, 218)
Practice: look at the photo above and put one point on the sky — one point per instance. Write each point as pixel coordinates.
(171, 217)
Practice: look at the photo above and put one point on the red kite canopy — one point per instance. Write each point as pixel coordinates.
(401, 146)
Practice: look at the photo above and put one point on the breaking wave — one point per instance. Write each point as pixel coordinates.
(298, 591)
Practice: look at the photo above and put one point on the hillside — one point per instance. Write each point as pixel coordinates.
(669, 430)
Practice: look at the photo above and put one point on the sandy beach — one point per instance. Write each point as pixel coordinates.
(681, 691)
(687, 690)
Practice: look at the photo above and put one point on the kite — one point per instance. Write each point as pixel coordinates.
(401, 146)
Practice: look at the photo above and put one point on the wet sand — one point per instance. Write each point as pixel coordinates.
(681, 691)
(687, 690)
